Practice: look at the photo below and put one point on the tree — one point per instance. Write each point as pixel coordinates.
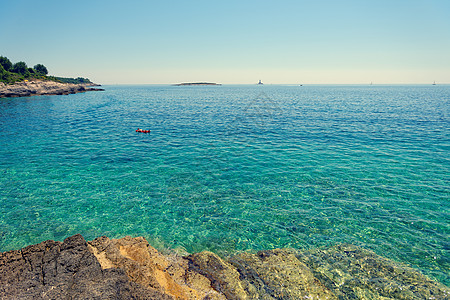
(20, 67)
(41, 69)
(3, 73)
(6, 63)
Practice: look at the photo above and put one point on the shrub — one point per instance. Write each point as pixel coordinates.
(3, 73)
(20, 67)
(5, 63)
(41, 69)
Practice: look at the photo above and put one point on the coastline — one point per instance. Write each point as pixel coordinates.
(39, 87)
(130, 268)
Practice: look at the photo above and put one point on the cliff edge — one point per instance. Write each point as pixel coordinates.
(129, 268)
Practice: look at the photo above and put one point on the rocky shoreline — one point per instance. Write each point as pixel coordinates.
(39, 87)
(129, 268)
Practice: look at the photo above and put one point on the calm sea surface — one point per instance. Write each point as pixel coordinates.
(230, 168)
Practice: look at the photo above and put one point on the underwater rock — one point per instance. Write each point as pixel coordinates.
(278, 274)
(129, 268)
(355, 273)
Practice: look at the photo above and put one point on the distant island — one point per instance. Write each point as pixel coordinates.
(197, 83)
(18, 80)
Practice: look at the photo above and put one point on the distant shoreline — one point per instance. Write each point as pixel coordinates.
(40, 88)
(196, 83)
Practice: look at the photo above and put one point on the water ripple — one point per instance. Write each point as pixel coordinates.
(233, 168)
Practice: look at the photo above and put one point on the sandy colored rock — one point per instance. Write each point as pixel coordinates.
(146, 266)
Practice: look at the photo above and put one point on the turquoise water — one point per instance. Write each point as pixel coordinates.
(233, 167)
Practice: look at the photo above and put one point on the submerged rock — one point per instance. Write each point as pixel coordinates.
(278, 274)
(355, 273)
(129, 268)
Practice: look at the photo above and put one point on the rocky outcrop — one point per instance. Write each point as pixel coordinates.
(129, 268)
(144, 265)
(36, 87)
(68, 270)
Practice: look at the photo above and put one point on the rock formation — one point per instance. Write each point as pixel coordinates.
(129, 268)
(38, 87)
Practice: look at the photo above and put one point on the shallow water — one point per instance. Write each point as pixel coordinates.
(233, 167)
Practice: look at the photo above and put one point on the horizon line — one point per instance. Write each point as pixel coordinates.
(295, 84)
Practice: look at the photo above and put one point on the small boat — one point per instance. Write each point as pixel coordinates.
(143, 131)
(434, 82)
(260, 82)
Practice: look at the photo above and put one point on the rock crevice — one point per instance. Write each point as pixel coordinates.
(129, 268)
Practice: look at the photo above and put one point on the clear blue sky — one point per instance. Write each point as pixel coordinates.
(347, 41)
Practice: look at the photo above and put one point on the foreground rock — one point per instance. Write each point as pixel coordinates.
(129, 268)
(33, 88)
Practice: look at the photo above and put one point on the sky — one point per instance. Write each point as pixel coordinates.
(232, 42)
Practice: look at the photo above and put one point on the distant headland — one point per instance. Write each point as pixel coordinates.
(18, 80)
(196, 83)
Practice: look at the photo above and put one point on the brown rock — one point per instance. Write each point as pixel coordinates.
(146, 266)
(224, 276)
(68, 270)
(278, 274)
(129, 268)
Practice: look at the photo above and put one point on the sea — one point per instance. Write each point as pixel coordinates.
(233, 167)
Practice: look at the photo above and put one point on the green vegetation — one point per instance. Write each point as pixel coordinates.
(11, 73)
(77, 80)
(40, 69)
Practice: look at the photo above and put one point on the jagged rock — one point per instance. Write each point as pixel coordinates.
(224, 276)
(129, 268)
(37, 87)
(146, 266)
(68, 270)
